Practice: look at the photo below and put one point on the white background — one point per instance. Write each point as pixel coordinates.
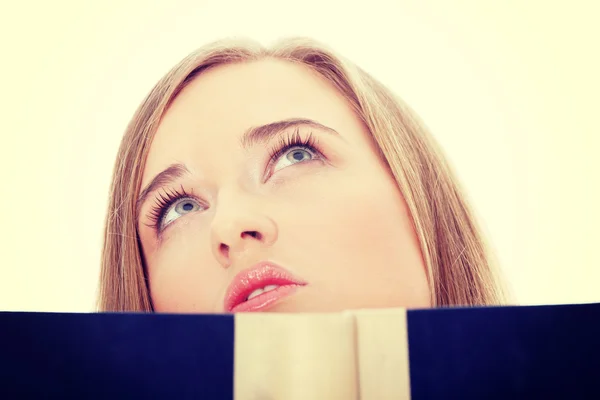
(509, 88)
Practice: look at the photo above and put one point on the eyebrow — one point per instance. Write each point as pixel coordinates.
(254, 136)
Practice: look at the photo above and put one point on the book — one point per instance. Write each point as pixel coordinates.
(522, 352)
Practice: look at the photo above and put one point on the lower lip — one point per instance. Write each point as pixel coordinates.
(265, 300)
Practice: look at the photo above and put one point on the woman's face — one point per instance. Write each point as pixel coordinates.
(264, 192)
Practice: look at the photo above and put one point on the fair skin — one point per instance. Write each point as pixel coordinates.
(332, 216)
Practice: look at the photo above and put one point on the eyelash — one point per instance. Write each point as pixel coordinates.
(163, 202)
(290, 141)
(170, 196)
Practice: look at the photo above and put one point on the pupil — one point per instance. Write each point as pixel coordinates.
(298, 155)
(188, 207)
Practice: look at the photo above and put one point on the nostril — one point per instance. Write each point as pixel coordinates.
(224, 249)
(254, 234)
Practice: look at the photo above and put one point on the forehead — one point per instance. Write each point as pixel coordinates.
(208, 117)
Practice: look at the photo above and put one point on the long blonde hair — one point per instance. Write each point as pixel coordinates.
(459, 267)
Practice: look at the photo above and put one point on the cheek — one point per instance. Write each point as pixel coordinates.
(183, 275)
(363, 243)
(358, 213)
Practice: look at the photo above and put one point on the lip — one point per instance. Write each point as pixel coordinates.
(257, 277)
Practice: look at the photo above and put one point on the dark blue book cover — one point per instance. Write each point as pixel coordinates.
(536, 352)
(110, 356)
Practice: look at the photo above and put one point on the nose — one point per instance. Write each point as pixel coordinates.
(238, 228)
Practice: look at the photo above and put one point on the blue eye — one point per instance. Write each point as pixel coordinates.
(294, 156)
(172, 204)
(180, 208)
(293, 148)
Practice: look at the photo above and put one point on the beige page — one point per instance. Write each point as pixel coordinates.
(351, 355)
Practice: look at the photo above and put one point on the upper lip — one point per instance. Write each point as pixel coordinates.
(256, 277)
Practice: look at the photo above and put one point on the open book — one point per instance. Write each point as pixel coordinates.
(450, 353)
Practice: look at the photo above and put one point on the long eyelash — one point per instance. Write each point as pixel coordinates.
(289, 141)
(162, 204)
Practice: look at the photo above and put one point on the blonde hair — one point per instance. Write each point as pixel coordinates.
(459, 266)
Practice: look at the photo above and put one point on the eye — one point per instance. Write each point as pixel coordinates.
(293, 156)
(180, 208)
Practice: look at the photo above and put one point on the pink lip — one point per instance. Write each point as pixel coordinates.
(257, 277)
